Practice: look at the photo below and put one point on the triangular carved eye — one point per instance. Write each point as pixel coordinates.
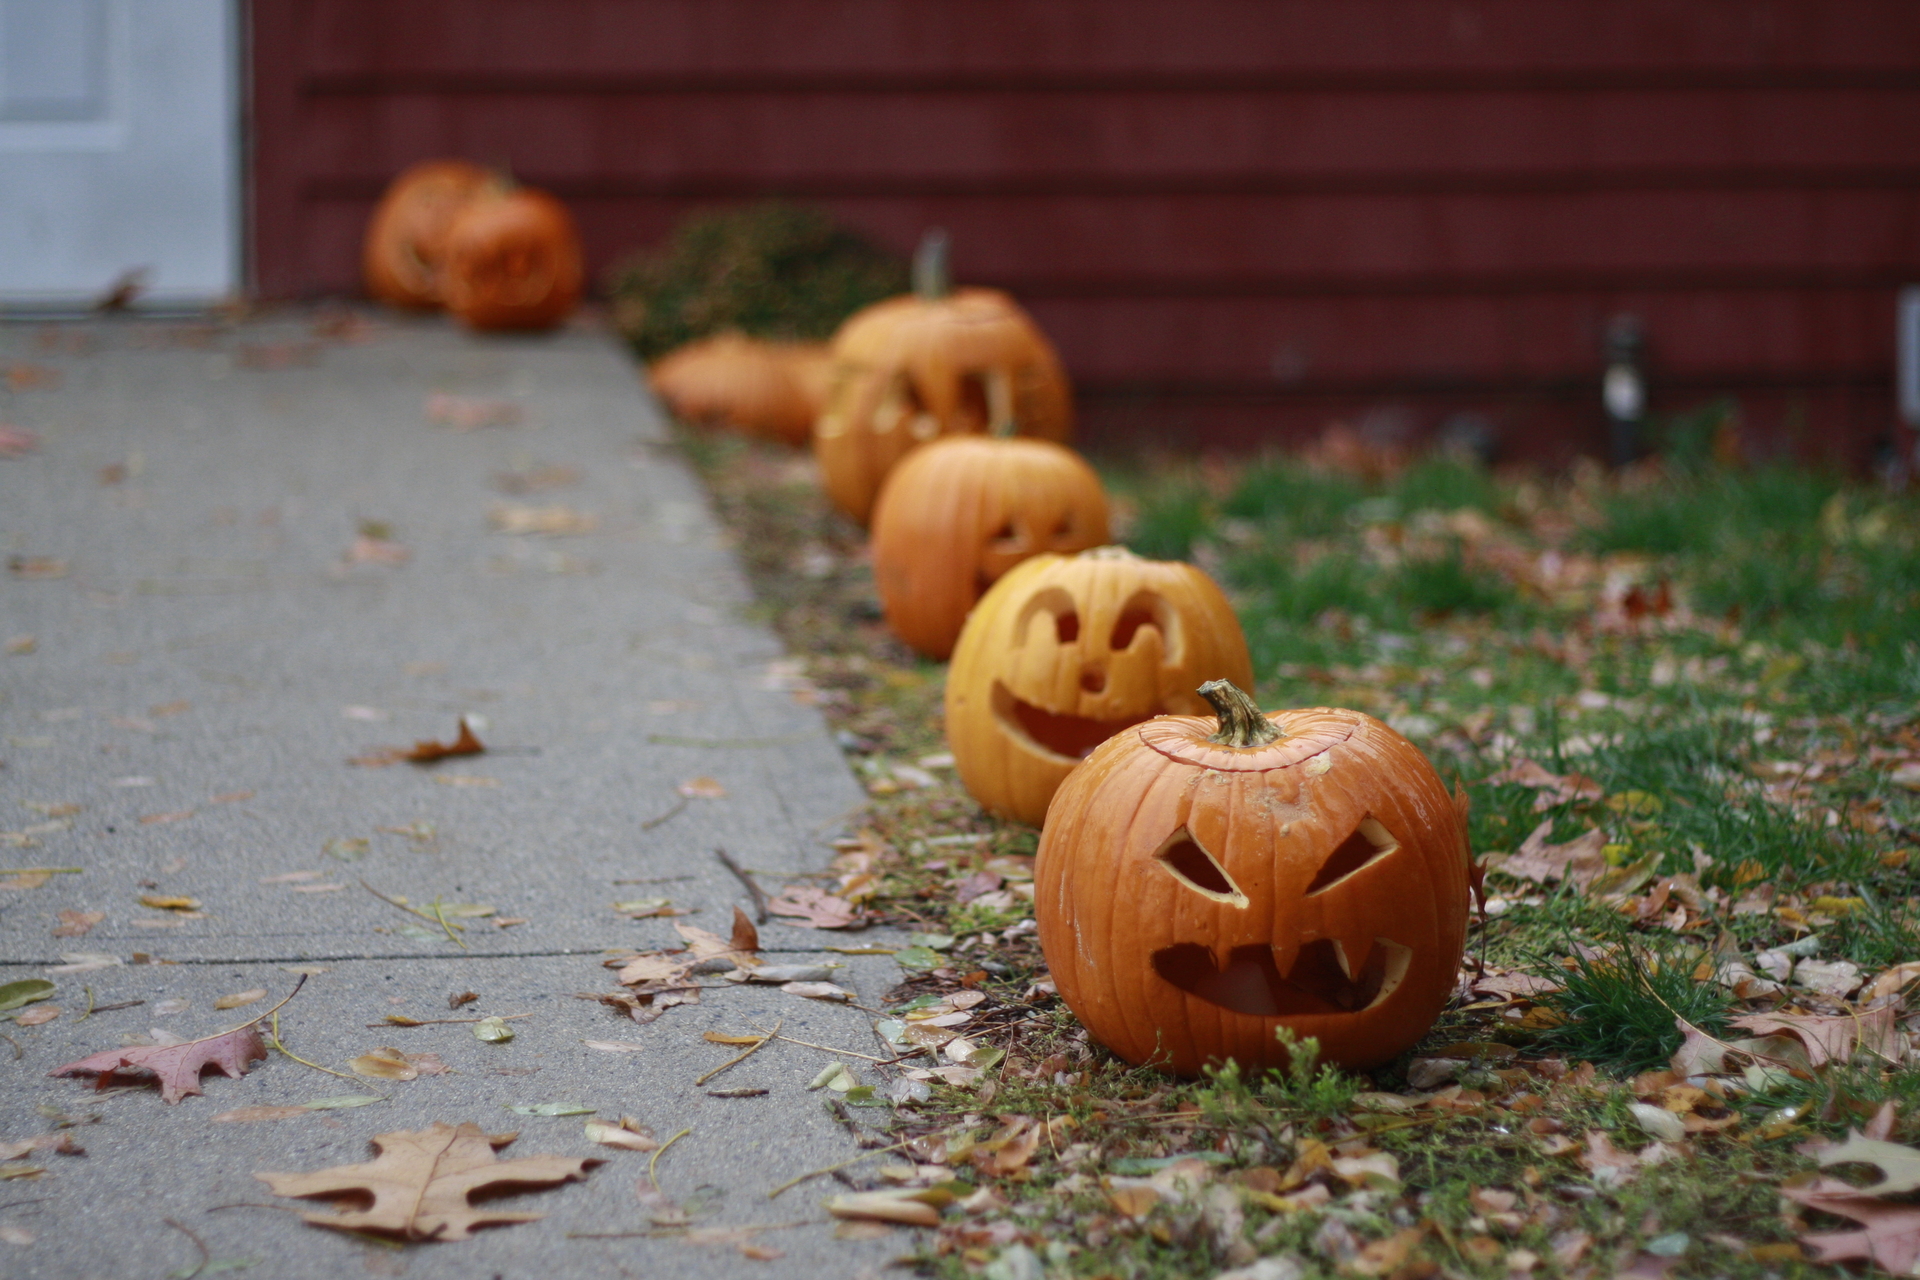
(1368, 842)
(1199, 870)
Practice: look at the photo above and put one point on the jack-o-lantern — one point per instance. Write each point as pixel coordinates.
(407, 235)
(770, 389)
(512, 261)
(956, 515)
(1066, 651)
(935, 362)
(1202, 883)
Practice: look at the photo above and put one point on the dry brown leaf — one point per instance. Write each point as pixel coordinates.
(248, 1115)
(421, 1182)
(38, 1014)
(178, 1066)
(908, 1207)
(702, 788)
(1578, 860)
(815, 908)
(546, 522)
(60, 1143)
(466, 413)
(745, 936)
(169, 902)
(1889, 1233)
(1836, 1038)
(240, 998)
(1553, 788)
(628, 1135)
(77, 924)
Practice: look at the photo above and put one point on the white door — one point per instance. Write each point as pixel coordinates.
(119, 150)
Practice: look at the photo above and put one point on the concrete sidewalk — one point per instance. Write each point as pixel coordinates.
(242, 555)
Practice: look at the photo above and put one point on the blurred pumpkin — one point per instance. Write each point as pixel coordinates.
(1203, 882)
(1066, 651)
(959, 512)
(772, 389)
(931, 363)
(407, 234)
(512, 260)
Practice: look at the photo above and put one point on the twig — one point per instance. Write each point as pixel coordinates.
(651, 823)
(440, 1022)
(759, 898)
(281, 1045)
(18, 1052)
(757, 1046)
(658, 1232)
(824, 1048)
(42, 871)
(655, 880)
(660, 1151)
(88, 1013)
(410, 911)
(15, 1204)
(441, 916)
(835, 1168)
(205, 1255)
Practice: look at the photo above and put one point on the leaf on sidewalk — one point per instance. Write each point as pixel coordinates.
(77, 924)
(178, 1066)
(389, 1063)
(815, 908)
(421, 1182)
(425, 750)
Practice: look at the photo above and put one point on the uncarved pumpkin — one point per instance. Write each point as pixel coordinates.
(407, 235)
(1065, 651)
(512, 261)
(931, 363)
(958, 513)
(771, 389)
(1202, 883)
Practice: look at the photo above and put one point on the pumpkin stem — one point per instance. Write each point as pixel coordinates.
(931, 278)
(1241, 723)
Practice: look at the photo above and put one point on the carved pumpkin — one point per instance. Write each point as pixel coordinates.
(407, 234)
(931, 363)
(1202, 883)
(770, 389)
(512, 261)
(957, 514)
(1064, 652)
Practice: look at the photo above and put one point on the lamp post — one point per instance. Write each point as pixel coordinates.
(1623, 388)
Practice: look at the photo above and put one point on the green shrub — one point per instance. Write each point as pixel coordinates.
(771, 270)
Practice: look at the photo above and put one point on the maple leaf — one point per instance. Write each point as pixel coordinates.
(1889, 1233)
(815, 908)
(177, 1065)
(1838, 1037)
(420, 1184)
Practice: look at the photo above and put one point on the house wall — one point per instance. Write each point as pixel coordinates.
(1238, 218)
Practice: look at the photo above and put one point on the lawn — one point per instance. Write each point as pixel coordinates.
(1685, 702)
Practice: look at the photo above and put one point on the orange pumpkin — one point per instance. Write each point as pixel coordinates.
(771, 389)
(1064, 652)
(407, 235)
(931, 363)
(957, 514)
(1202, 883)
(512, 261)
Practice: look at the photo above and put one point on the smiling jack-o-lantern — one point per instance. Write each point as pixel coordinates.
(1201, 884)
(512, 260)
(957, 514)
(407, 234)
(936, 362)
(1065, 651)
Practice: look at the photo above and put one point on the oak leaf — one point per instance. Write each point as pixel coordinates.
(420, 1184)
(1838, 1037)
(1579, 860)
(178, 1066)
(1889, 1232)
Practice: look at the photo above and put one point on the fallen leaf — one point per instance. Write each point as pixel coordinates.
(251, 1115)
(15, 443)
(164, 902)
(389, 1063)
(59, 1143)
(913, 1208)
(1838, 1037)
(1889, 1233)
(1899, 1165)
(37, 568)
(1579, 860)
(77, 924)
(161, 819)
(83, 962)
(178, 1066)
(240, 998)
(815, 908)
(552, 1109)
(614, 1046)
(1834, 978)
(817, 990)
(465, 780)
(492, 1030)
(1609, 1166)
(22, 1236)
(702, 788)
(24, 991)
(626, 1135)
(34, 1017)
(465, 413)
(421, 1182)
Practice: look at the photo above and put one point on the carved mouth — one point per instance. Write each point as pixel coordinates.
(1071, 738)
(1321, 979)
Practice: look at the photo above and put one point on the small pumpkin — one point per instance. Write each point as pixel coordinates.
(1205, 881)
(958, 513)
(512, 260)
(771, 389)
(407, 234)
(935, 362)
(1064, 652)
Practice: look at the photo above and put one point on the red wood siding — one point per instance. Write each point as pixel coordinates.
(1238, 218)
